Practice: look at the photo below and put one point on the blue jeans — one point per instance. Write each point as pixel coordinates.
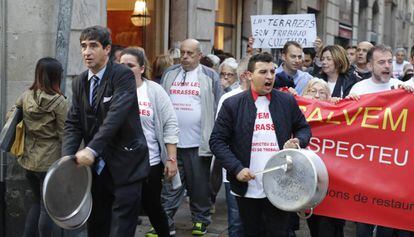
(235, 228)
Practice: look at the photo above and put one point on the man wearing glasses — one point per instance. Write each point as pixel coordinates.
(194, 91)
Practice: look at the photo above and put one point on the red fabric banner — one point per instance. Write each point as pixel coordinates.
(368, 148)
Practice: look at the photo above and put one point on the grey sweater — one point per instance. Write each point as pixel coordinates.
(166, 125)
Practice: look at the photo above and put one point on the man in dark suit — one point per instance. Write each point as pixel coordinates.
(250, 128)
(104, 115)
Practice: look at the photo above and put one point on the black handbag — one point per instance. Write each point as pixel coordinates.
(9, 130)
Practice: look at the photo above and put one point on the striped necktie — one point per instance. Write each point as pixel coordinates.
(94, 86)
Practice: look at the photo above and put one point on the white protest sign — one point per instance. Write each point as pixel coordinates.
(273, 31)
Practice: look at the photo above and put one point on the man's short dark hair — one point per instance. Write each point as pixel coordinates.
(380, 48)
(98, 33)
(289, 43)
(310, 51)
(261, 57)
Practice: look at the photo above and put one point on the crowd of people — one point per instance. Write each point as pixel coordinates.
(152, 132)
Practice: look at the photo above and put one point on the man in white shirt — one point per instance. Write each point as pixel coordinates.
(380, 63)
(194, 91)
(250, 128)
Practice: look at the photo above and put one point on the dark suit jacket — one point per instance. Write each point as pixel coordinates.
(113, 130)
(231, 139)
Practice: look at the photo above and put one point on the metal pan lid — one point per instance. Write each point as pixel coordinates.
(293, 189)
(66, 189)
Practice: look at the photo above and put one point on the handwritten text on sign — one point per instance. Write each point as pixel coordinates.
(273, 31)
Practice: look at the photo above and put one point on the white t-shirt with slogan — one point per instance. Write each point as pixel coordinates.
(264, 146)
(146, 114)
(185, 97)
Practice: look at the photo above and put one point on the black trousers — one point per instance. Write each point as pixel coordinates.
(114, 211)
(323, 226)
(38, 222)
(151, 201)
(261, 219)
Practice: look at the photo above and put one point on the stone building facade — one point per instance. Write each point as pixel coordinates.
(28, 32)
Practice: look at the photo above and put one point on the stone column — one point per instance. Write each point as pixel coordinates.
(31, 34)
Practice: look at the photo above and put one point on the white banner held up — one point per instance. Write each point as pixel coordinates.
(273, 31)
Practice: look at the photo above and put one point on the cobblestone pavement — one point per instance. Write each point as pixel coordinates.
(218, 227)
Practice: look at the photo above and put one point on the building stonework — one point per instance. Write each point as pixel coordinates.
(389, 22)
(23, 40)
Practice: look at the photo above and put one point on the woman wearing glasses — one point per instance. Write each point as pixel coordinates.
(228, 74)
(160, 127)
(322, 226)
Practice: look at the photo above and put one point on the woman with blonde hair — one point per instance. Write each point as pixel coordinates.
(317, 89)
(335, 70)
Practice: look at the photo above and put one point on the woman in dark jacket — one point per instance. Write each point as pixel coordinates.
(335, 70)
(44, 113)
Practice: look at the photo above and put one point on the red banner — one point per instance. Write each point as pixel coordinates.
(368, 148)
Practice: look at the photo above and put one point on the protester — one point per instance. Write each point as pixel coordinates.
(104, 117)
(288, 74)
(380, 62)
(335, 68)
(234, 133)
(308, 59)
(160, 64)
(360, 69)
(159, 123)
(235, 228)
(44, 112)
(399, 62)
(317, 89)
(351, 54)
(194, 91)
(228, 74)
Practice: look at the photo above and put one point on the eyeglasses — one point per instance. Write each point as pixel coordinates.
(321, 93)
(223, 74)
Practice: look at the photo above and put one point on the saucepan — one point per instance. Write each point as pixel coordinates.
(67, 193)
(295, 180)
